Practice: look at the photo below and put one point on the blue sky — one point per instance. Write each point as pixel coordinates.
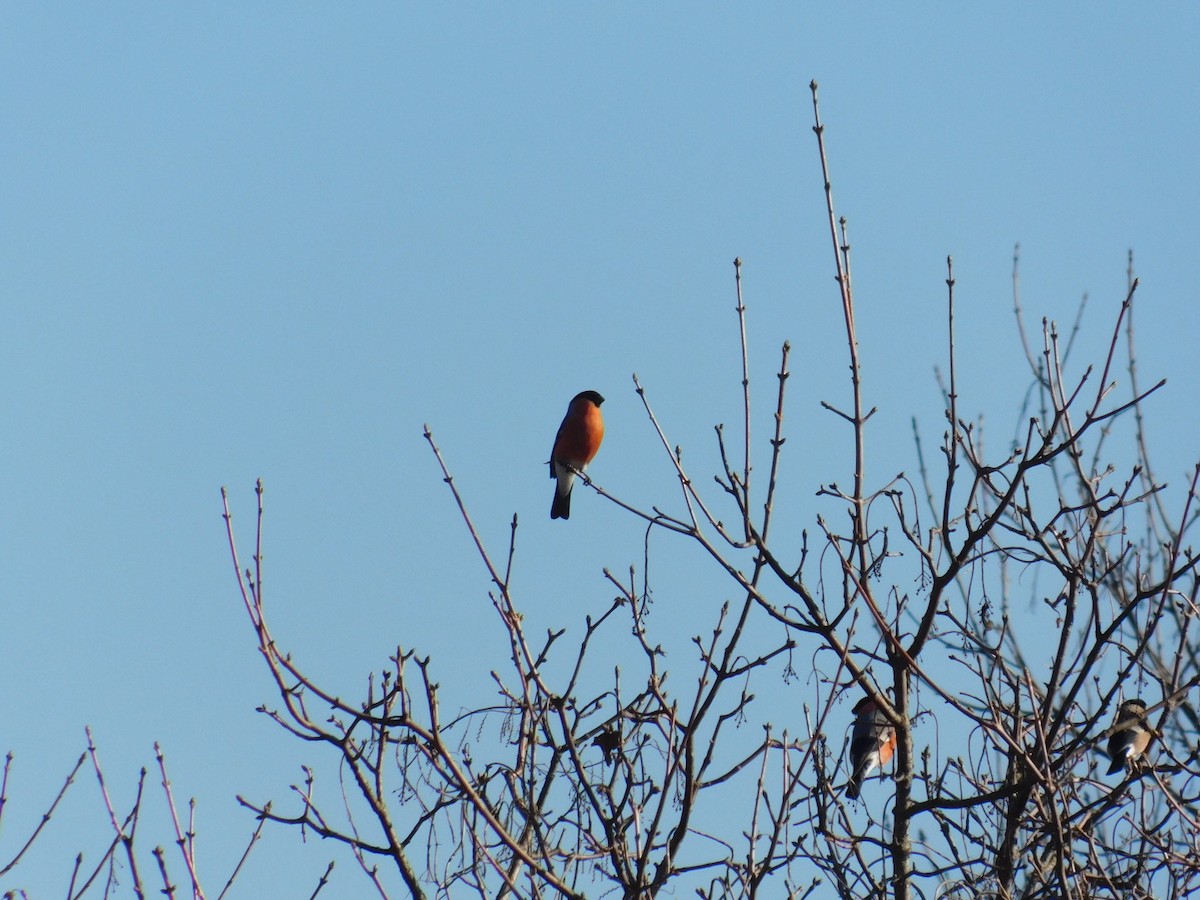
(274, 240)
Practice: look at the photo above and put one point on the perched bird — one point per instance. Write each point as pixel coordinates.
(1131, 738)
(577, 441)
(871, 745)
(609, 742)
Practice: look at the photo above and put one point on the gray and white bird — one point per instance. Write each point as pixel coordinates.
(1131, 738)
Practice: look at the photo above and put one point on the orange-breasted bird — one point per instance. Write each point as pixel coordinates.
(577, 441)
(872, 744)
(1131, 738)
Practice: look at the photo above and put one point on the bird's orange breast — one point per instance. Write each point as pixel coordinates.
(581, 434)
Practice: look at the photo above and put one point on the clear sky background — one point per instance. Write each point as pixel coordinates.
(244, 240)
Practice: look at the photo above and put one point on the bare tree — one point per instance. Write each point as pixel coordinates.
(984, 624)
(994, 610)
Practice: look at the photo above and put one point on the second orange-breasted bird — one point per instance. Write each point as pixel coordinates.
(1131, 738)
(577, 441)
(872, 744)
